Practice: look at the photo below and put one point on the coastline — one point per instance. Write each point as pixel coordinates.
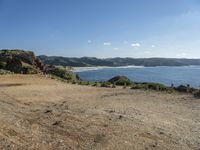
(161, 74)
(81, 69)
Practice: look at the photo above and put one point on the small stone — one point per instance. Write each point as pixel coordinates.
(120, 116)
(162, 132)
(153, 145)
(56, 123)
(111, 111)
(47, 111)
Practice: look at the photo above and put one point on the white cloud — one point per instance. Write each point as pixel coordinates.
(107, 44)
(89, 41)
(135, 45)
(153, 46)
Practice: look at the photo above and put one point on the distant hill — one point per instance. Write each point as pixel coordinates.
(114, 62)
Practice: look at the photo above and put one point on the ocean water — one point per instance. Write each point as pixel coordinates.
(166, 75)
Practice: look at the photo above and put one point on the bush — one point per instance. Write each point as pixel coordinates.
(2, 72)
(197, 94)
(97, 84)
(61, 72)
(29, 70)
(3, 64)
(185, 89)
(157, 86)
(74, 82)
(121, 81)
(139, 86)
(84, 83)
(105, 84)
(152, 86)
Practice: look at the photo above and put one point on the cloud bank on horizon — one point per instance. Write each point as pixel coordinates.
(102, 28)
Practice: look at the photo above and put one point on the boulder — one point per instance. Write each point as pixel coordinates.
(121, 81)
(185, 89)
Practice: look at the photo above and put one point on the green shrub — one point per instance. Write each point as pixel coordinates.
(2, 72)
(197, 94)
(113, 86)
(152, 86)
(139, 86)
(121, 81)
(97, 84)
(74, 82)
(84, 83)
(29, 70)
(105, 84)
(61, 72)
(3, 64)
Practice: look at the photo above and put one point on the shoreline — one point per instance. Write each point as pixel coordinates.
(174, 75)
(82, 69)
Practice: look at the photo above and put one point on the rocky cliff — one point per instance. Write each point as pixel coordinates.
(25, 62)
(19, 61)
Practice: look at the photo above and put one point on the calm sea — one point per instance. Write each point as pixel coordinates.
(166, 75)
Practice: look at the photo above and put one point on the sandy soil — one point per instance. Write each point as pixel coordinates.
(41, 113)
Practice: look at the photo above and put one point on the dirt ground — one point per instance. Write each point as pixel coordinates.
(44, 114)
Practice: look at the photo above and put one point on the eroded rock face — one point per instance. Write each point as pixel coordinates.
(61, 72)
(25, 62)
(19, 61)
(14, 65)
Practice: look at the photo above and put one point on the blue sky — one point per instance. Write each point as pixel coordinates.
(102, 28)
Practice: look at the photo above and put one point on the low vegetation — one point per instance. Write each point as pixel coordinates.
(2, 72)
(152, 86)
(106, 84)
(184, 89)
(61, 72)
(25, 62)
(120, 81)
(197, 94)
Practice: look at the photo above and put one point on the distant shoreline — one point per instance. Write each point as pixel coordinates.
(81, 69)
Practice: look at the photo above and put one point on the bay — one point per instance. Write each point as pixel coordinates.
(165, 75)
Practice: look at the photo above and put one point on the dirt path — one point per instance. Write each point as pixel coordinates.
(40, 113)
